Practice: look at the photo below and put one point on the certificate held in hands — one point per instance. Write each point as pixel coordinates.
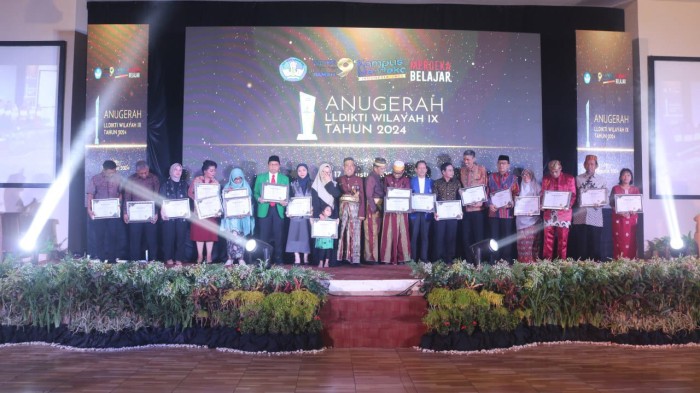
(628, 203)
(176, 208)
(324, 228)
(208, 207)
(593, 197)
(299, 207)
(556, 200)
(141, 211)
(238, 207)
(448, 210)
(527, 206)
(397, 205)
(423, 203)
(473, 195)
(274, 193)
(502, 198)
(106, 208)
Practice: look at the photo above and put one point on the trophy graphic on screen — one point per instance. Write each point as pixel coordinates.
(307, 113)
(588, 123)
(97, 120)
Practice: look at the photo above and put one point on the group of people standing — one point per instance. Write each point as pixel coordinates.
(367, 232)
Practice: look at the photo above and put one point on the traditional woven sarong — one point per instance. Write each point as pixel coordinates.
(349, 234)
(396, 243)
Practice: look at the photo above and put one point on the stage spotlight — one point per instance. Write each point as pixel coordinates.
(260, 249)
(484, 248)
(676, 243)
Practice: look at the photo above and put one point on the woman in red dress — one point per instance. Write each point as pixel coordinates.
(204, 230)
(624, 226)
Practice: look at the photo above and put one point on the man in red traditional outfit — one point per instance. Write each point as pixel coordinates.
(374, 196)
(396, 244)
(557, 222)
(352, 212)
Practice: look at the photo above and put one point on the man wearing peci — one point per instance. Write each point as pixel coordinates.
(271, 214)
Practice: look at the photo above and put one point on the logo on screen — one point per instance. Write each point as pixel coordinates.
(98, 73)
(293, 70)
(586, 77)
(372, 70)
(430, 71)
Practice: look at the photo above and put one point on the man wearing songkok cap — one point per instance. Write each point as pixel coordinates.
(472, 174)
(396, 244)
(557, 222)
(501, 218)
(374, 195)
(271, 214)
(587, 222)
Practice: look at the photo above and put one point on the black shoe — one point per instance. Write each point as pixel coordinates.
(355, 265)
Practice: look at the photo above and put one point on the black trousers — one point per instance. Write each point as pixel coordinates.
(445, 240)
(138, 231)
(473, 229)
(106, 238)
(588, 241)
(272, 232)
(503, 231)
(174, 239)
(420, 231)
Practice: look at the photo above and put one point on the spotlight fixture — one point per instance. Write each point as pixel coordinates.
(483, 249)
(256, 247)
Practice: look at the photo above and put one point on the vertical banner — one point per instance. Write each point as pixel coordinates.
(117, 99)
(605, 101)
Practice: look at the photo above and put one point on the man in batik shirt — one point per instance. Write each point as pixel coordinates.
(587, 222)
(374, 195)
(446, 189)
(472, 174)
(502, 220)
(557, 222)
(351, 213)
(396, 243)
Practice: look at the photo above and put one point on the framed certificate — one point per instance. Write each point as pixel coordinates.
(448, 210)
(235, 193)
(392, 192)
(238, 207)
(106, 208)
(206, 190)
(628, 203)
(423, 203)
(208, 207)
(593, 197)
(472, 195)
(176, 208)
(324, 228)
(299, 207)
(274, 192)
(140, 211)
(527, 206)
(556, 200)
(501, 198)
(397, 205)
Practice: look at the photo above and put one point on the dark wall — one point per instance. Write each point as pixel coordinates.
(168, 21)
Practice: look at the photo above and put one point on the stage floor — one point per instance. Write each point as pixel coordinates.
(556, 368)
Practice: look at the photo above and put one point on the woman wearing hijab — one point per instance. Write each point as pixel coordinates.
(528, 227)
(174, 229)
(298, 238)
(238, 227)
(325, 192)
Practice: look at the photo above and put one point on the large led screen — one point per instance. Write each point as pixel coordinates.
(31, 106)
(674, 127)
(311, 94)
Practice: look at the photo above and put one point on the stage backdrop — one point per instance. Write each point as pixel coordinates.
(605, 102)
(117, 96)
(312, 94)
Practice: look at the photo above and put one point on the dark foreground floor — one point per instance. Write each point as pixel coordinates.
(557, 368)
